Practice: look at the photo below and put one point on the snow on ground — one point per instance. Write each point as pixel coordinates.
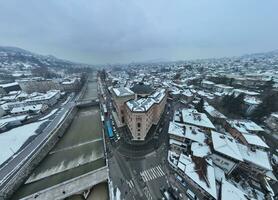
(67, 100)
(63, 117)
(12, 140)
(114, 194)
(50, 114)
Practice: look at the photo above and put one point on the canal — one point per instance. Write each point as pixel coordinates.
(79, 151)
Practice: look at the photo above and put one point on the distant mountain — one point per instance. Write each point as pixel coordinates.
(14, 56)
(268, 54)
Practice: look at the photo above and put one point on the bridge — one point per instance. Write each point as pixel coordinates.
(80, 184)
(87, 103)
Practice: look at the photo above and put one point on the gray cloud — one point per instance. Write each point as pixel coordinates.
(102, 31)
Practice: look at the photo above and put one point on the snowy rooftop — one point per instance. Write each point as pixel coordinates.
(123, 91)
(158, 95)
(191, 116)
(144, 104)
(255, 140)
(205, 94)
(69, 81)
(224, 86)
(140, 105)
(252, 100)
(12, 140)
(274, 115)
(200, 150)
(244, 126)
(34, 108)
(50, 94)
(219, 173)
(213, 112)
(231, 192)
(188, 166)
(251, 93)
(187, 131)
(172, 141)
(225, 145)
(187, 93)
(255, 156)
(8, 84)
(208, 82)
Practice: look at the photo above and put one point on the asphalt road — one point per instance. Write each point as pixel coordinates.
(9, 170)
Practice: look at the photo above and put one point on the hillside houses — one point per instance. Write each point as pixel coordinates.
(194, 144)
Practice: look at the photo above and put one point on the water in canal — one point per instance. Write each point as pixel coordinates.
(79, 151)
(91, 91)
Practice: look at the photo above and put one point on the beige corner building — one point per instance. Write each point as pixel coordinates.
(139, 112)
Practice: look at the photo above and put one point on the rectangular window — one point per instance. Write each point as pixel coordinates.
(138, 125)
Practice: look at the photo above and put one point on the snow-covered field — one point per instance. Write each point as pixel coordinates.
(12, 140)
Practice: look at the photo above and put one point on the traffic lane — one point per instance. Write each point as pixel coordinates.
(127, 176)
(122, 163)
(117, 177)
(155, 186)
(145, 164)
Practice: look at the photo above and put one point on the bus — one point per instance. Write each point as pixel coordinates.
(109, 130)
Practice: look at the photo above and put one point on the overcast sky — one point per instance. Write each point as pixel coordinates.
(121, 31)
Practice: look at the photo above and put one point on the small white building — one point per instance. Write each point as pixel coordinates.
(30, 109)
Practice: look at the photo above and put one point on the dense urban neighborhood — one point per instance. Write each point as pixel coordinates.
(200, 129)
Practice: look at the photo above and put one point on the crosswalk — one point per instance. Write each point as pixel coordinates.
(130, 184)
(152, 173)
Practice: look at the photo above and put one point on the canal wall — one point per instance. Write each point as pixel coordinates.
(26, 169)
(73, 186)
(85, 104)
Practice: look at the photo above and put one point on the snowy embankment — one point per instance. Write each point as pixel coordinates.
(12, 140)
(50, 114)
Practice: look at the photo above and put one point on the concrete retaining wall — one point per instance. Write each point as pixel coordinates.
(87, 104)
(26, 169)
(72, 186)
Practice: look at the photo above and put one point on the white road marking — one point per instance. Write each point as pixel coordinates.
(131, 182)
(155, 171)
(152, 173)
(159, 168)
(158, 172)
(147, 175)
